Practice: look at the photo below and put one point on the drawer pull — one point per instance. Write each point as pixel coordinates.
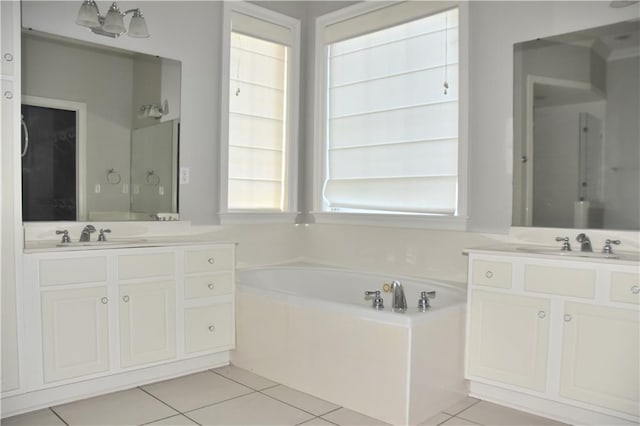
(542, 314)
(104, 300)
(488, 274)
(567, 317)
(635, 289)
(125, 299)
(212, 328)
(211, 286)
(8, 94)
(8, 57)
(211, 260)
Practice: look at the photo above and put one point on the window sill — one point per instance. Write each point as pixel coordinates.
(234, 218)
(450, 223)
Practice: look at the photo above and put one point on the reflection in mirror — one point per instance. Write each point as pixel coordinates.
(100, 132)
(576, 132)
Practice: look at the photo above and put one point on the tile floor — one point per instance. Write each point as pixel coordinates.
(232, 396)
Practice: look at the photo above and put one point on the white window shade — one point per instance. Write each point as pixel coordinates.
(385, 17)
(257, 123)
(392, 132)
(259, 28)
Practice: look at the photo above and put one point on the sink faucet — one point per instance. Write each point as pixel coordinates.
(399, 301)
(86, 233)
(585, 242)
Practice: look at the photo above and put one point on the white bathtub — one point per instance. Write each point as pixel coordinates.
(311, 328)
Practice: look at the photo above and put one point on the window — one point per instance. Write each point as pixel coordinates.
(259, 114)
(391, 112)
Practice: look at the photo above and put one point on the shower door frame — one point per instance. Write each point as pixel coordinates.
(526, 184)
(80, 109)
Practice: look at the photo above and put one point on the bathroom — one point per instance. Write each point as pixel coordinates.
(430, 248)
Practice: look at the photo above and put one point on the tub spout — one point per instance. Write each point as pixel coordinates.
(399, 301)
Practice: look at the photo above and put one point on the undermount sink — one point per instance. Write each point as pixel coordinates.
(101, 243)
(572, 253)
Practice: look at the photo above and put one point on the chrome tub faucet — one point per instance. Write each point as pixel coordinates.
(399, 301)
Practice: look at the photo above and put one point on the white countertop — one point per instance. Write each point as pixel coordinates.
(554, 252)
(45, 246)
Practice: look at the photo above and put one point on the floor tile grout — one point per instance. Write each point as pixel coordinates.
(291, 405)
(463, 410)
(243, 384)
(155, 397)
(58, 416)
(219, 402)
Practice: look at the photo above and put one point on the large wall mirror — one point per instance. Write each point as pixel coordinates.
(100, 136)
(577, 131)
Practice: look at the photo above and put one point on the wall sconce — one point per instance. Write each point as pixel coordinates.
(111, 25)
(154, 111)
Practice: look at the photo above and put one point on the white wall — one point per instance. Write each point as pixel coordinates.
(190, 32)
(495, 26)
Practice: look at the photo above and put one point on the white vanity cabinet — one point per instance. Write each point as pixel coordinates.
(509, 338)
(208, 293)
(147, 322)
(75, 332)
(98, 320)
(147, 306)
(555, 336)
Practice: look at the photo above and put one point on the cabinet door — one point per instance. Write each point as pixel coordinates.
(600, 356)
(75, 332)
(208, 327)
(509, 339)
(147, 322)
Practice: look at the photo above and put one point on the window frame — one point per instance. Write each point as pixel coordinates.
(293, 101)
(458, 221)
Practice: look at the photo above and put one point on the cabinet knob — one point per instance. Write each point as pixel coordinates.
(567, 317)
(488, 274)
(212, 328)
(8, 57)
(8, 94)
(211, 286)
(125, 299)
(211, 260)
(104, 300)
(542, 314)
(635, 289)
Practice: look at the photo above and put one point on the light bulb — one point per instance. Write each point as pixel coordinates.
(114, 21)
(88, 15)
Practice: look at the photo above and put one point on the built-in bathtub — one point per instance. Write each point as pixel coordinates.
(311, 328)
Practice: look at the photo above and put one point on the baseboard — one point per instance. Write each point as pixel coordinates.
(38, 399)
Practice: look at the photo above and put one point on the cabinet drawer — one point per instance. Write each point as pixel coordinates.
(560, 281)
(209, 260)
(145, 265)
(625, 287)
(73, 270)
(208, 285)
(491, 274)
(208, 327)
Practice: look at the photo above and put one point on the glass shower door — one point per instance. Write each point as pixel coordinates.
(48, 164)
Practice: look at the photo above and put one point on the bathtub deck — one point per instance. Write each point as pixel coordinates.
(230, 395)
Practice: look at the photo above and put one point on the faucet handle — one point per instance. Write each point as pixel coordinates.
(423, 301)
(65, 236)
(103, 237)
(378, 303)
(607, 246)
(565, 243)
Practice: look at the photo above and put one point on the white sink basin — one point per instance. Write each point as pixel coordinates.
(572, 253)
(88, 244)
